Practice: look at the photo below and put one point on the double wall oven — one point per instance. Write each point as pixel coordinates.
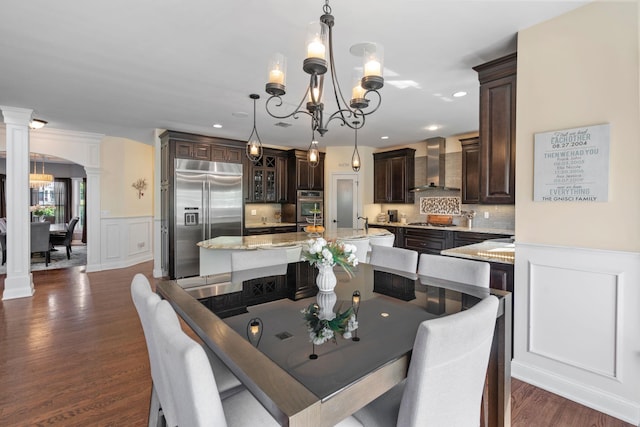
(308, 201)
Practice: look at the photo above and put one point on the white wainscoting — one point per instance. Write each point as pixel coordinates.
(125, 241)
(577, 325)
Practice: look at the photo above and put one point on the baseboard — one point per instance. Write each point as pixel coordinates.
(593, 398)
(124, 263)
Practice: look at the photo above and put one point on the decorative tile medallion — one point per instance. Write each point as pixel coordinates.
(440, 205)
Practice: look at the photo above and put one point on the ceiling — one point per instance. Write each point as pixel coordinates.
(124, 68)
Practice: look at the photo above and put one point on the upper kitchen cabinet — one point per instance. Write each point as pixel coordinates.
(393, 176)
(267, 178)
(470, 170)
(498, 130)
(301, 175)
(199, 147)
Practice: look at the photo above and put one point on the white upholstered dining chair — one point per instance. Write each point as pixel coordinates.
(400, 259)
(362, 247)
(446, 377)
(145, 301)
(193, 384)
(470, 272)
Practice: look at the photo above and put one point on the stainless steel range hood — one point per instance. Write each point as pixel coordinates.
(435, 167)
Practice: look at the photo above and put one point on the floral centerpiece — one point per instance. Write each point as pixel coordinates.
(43, 210)
(323, 330)
(321, 252)
(324, 255)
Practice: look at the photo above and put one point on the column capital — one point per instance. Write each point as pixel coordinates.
(16, 116)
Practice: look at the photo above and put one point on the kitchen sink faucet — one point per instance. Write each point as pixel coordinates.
(366, 222)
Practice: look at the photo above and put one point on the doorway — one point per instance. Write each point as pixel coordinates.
(345, 202)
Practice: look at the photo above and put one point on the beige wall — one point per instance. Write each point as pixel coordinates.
(124, 161)
(575, 70)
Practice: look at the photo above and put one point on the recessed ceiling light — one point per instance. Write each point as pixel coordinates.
(384, 137)
(217, 125)
(433, 127)
(460, 94)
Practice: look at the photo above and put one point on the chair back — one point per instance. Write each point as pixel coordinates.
(362, 247)
(249, 264)
(448, 367)
(193, 386)
(382, 240)
(40, 236)
(404, 260)
(470, 272)
(68, 237)
(145, 301)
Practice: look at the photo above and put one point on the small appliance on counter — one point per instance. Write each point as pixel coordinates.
(393, 215)
(382, 218)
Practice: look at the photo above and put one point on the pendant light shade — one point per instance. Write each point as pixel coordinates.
(37, 180)
(313, 155)
(355, 158)
(254, 145)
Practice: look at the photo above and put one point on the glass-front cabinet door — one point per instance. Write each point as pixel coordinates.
(263, 180)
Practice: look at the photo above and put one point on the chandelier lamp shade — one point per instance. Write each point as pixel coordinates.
(254, 145)
(355, 157)
(320, 59)
(38, 180)
(313, 155)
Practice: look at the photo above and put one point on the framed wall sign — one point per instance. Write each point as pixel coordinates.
(572, 165)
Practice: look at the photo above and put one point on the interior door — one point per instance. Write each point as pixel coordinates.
(344, 201)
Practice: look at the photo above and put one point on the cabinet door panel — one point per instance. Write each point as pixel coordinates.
(380, 181)
(470, 170)
(398, 185)
(497, 174)
(235, 155)
(302, 174)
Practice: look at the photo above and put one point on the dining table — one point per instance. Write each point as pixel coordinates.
(303, 384)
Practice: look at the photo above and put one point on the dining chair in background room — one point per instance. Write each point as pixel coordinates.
(145, 301)
(40, 240)
(193, 384)
(446, 377)
(400, 259)
(3, 239)
(66, 239)
(362, 247)
(470, 272)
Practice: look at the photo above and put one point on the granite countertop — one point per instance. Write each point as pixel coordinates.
(499, 250)
(269, 224)
(283, 240)
(451, 228)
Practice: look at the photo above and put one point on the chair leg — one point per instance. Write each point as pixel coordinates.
(69, 252)
(47, 258)
(155, 417)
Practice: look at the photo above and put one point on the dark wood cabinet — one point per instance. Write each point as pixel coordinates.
(227, 154)
(501, 276)
(471, 170)
(498, 130)
(427, 241)
(262, 179)
(282, 180)
(255, 231)
(304, 175)
(301, 280)
(393, 176)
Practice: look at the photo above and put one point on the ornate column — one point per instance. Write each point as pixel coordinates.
(93, 222)
(19, 281)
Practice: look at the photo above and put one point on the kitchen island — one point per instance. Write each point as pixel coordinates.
(215, 254)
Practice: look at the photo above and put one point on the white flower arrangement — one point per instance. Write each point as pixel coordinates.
(330, 253)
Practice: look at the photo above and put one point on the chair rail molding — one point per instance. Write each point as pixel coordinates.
(577, 326)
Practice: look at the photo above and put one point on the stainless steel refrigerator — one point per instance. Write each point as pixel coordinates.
(208, 204)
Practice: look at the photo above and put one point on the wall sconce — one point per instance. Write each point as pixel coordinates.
(140, 185)
(254, 331)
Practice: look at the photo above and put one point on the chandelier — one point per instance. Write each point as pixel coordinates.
(254, 145)
(319, 44)
(37, 180)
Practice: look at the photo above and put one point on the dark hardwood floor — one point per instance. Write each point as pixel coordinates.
(74, 355)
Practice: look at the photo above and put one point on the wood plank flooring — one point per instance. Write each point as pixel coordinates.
(74, 355)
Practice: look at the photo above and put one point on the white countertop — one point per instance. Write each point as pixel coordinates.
(451, 228)
(283, 239)
(491, 251)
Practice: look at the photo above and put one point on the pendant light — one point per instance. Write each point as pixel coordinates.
(355, 158)
(254, 145)
(37, 180)
(313, 155)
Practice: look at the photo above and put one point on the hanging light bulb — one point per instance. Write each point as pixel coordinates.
(355, 158)
(37, 180)
(254, 145)
(313, 155)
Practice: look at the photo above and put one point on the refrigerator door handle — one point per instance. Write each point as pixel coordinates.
(203, 214)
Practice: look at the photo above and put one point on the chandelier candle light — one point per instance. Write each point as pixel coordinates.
(319, 44)
(254, 145)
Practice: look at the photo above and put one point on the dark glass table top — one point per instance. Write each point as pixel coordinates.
(387, 325)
